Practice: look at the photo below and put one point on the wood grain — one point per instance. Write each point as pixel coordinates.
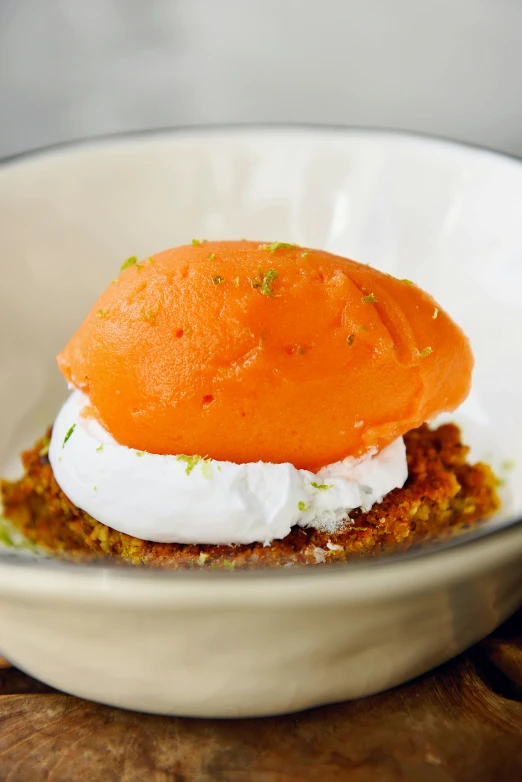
(461, 723)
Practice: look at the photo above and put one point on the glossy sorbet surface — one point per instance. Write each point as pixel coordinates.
(246, 352)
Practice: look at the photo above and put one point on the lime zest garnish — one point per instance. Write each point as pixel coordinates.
(150, 315)
(131, 261)
(211, 256)
(406, 282)
(275, 246)
(302, 506)
(269, 278)
(426, 352)
(228, 564)
(265, 282)
(322, 486)
(191, 462)
(370, 299)
(206, 468)
(68, 434)
(44, 450)
(11, 537)
(102, 313)
(100, 447)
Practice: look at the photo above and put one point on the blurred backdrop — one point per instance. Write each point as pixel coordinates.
(75, 68)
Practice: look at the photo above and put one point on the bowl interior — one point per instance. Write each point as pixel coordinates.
(444, 215)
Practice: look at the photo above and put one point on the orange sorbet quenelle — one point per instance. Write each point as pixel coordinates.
(244, 351)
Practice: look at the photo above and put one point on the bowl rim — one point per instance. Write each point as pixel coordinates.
(460, 542)
(212, 128)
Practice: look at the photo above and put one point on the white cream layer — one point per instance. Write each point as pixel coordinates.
(169, 500)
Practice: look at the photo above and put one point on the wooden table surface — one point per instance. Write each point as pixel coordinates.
(462, 722)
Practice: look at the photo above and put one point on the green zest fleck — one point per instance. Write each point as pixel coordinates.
(11, 537)
(228, 565)
(371, 299)
(435, 313)
(132, 261)
(95, 488)
(406, 282)
(196, 242)
(150, 259)
(150, 315)
(269, 278)
(350, 338)
(68, 434)
(302, 506)
(426, 352)
(304, 254)
(509, 464)
(44, 450)
(206, 468)
(217, 280)
(211, 256)
(202, 557)
(275, 246)
(191, 462)
(140, 453)
(236, 282)
(322, 486)
(5, 537)
(100, 447)
(102, 313)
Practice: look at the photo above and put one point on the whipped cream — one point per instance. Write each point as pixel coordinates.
(179, 499)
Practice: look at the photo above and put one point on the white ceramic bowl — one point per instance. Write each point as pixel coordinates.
(445, 215)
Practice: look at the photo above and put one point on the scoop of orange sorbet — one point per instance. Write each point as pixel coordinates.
(243, 351)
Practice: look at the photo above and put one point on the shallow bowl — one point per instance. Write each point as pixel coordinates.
(231, 644)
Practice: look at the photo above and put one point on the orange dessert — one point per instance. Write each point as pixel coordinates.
(250, 356)
(339, 356)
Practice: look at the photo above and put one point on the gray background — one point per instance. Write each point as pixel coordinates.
(74, 68)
